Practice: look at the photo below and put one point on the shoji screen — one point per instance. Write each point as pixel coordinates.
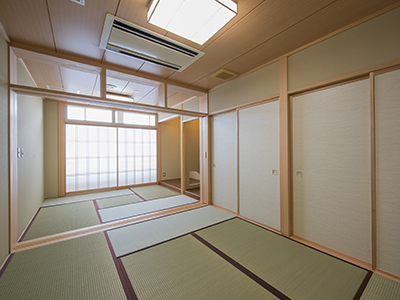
(332, 169)
(259, 191)
(387, 106)
(224, 157)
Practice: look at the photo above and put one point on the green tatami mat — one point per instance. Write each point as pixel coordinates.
(116, 201)
(85, 197)
(135, 237)
(381, 288)
(57, 219)
(296, 270)
(80, 268)
(151, 192)
(186, 269)
(125, 211)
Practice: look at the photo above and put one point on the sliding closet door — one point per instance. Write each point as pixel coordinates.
(332, 169)
(259, 192)
(387, 106)
(224, 158)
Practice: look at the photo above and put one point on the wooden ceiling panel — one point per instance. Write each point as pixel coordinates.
(337, 16)
(79, 30)
(150, 68)
(268, 20)
(44, 74)
(27, 22)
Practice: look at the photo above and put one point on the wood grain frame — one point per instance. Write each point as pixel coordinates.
(286, 188)
(61, 149)
(13, 160)
(373, 172)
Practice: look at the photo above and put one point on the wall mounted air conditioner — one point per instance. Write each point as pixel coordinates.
(130, 39)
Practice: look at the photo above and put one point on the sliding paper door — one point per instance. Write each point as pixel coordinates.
(332, 168)
(224, 158)
(387, 109)
(259, 190)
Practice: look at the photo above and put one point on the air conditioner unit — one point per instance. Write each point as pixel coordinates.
(126, 38)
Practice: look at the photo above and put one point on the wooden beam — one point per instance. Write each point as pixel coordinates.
(285, 152)
(98, 101)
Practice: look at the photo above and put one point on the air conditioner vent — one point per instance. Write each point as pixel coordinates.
(126, 38)
(224, 75)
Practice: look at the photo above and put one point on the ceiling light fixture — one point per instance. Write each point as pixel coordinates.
(196, 20)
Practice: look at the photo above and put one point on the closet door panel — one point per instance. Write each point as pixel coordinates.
(387, 110)
(259, 190)
(332, 168)
(224, 158)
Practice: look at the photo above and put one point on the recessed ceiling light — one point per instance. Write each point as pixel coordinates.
(195, 20)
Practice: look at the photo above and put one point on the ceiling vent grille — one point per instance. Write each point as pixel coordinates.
(126, 38)
(224, 75)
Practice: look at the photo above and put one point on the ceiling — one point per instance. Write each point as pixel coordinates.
(262, 31)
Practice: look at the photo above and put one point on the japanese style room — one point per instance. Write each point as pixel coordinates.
(200, 149)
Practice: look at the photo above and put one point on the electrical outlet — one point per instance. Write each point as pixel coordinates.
(164, 174)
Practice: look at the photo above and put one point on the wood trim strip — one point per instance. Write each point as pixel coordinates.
(61, 150)
(245, 105)
(183, 156)
(373, 172)
(259, 224)
(68, 235)
(241, 268)
(339, 255)
(237, 163)
(123, 276)
(29, 225)
(363, 285)
(6, 263)
(159, 151)
(101, 102)
(387, 274)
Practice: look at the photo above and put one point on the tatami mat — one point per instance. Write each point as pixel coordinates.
(135, 237)
(381, 288)
(186, 269)
(57, 219)
(150, 192)
(116, 201)
(85, 197)
(81, 268)
(125, 211)
(294, 269)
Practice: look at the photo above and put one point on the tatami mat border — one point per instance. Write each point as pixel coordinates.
(241, 268)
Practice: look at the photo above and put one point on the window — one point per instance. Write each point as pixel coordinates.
(105, 155)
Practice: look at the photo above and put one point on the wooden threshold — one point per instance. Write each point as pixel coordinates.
(337, 254)
(68, 235)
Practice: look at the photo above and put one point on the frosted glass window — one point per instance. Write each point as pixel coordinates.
(137, 154)
(76, 113)
(91, 157)
(98, 115)
(135, 118)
